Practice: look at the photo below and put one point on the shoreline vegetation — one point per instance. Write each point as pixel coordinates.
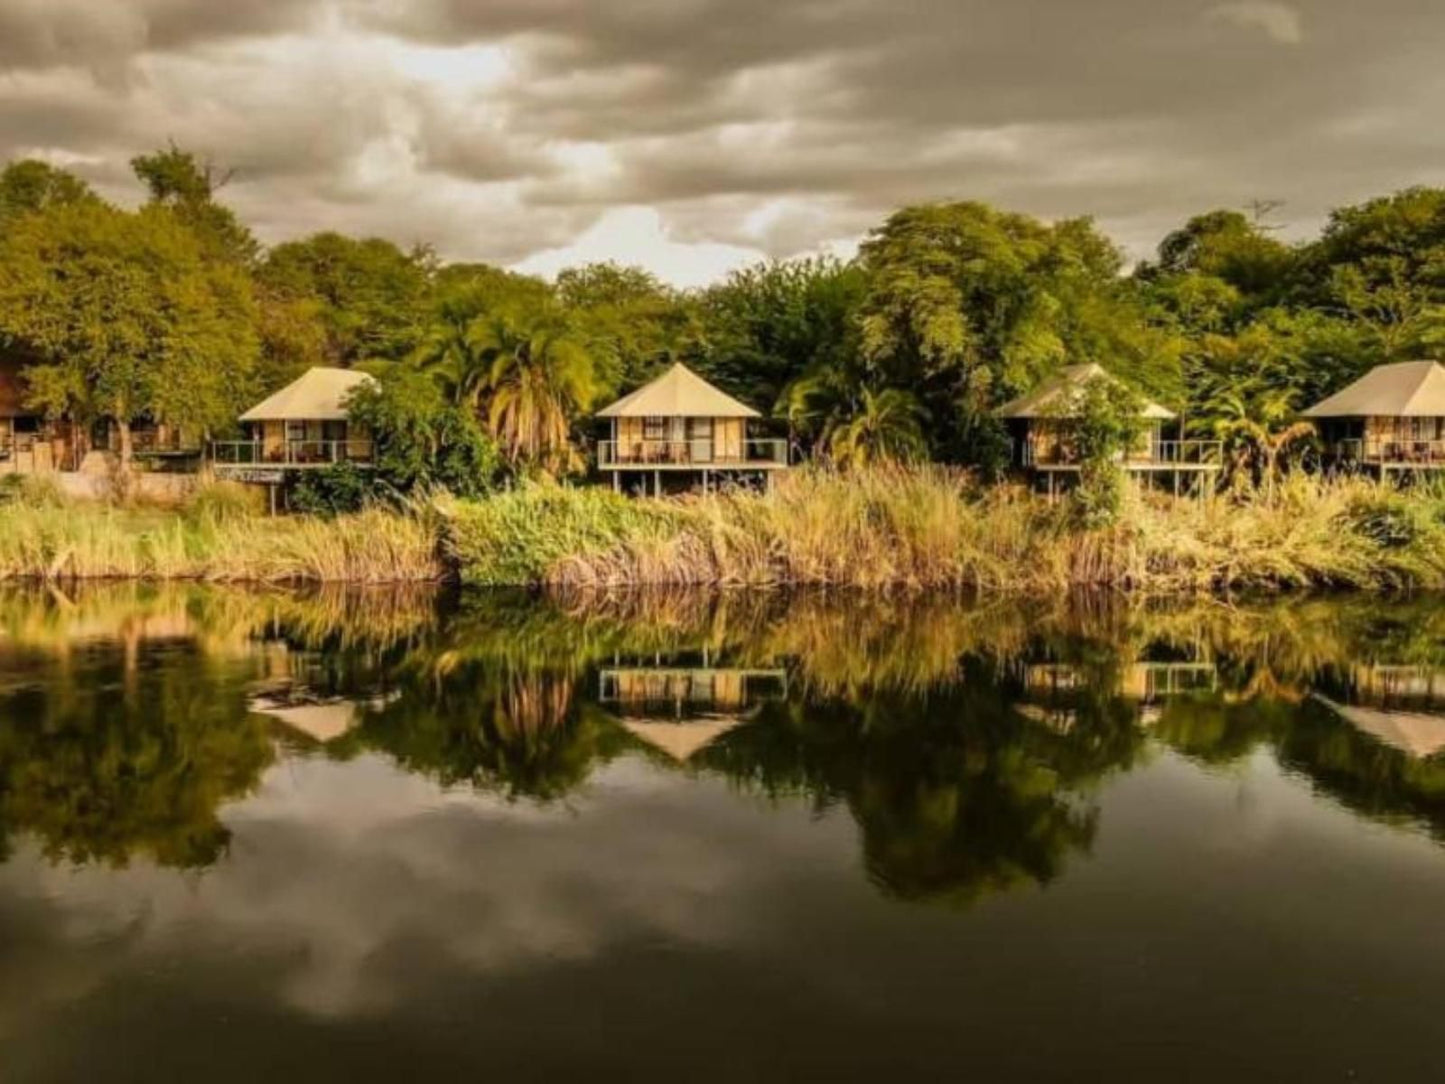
(884, 528)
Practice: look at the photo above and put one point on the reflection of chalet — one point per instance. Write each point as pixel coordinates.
(322, 719)
(1401, 706)
(1054, 686)
(1414, 733)
(680, 710)
(1145, 682)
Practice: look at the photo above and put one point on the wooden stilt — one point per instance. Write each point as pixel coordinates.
(616, 481)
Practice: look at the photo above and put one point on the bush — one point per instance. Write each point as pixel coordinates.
(330, 491)
(421, 440)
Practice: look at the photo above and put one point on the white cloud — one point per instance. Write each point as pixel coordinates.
(638, 235)
(1280, 22)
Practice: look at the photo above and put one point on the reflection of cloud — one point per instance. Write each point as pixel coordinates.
(341, 876)
(1280, 22)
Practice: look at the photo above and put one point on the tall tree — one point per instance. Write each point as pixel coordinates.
(966, 305)
(129, 317)
(769, 325)
(370, 296)
(187, 186)
(29, 185)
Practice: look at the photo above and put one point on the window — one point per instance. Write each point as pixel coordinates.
(296, 431)
(654, 428)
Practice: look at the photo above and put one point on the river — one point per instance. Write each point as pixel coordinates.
(383, 836)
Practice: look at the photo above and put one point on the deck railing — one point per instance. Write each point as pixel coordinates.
(289, 453)
(1407, 452)
(1182, 453)
(698, 453)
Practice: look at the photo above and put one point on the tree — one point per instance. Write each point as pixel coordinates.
(1229, 247)
(128, 316)
(768, 326)
(886, 427)
(542, 376)
(1102, 419)
(185, 185)
(421, 438)
(28, 186)
(370, 296)
(966, 305)
(635, 326)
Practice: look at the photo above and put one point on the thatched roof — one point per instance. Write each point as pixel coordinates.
(318, 394)
(1406, 389)
(1051, 398)
(678, 393)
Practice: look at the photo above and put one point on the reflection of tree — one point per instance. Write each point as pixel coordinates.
(127, 750)
(955, 792)
(517, 733)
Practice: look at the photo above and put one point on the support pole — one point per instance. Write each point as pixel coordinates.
(657, 483)
(616, 482)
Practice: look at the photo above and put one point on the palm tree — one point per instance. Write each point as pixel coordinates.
(1258, 433)
(539, 376)
(885, 426)
(450, 351)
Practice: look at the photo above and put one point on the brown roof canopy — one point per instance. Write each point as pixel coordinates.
(678, 393)
(1405, 389)
(318, 394)
(1048, 398)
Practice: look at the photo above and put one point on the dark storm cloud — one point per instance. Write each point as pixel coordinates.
(778, 124)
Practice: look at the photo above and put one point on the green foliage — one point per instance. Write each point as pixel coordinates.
(1103, 418)
(28, 186)
(180, 182)
(369, 296)
(518, 536)
(422, 440)
(128, 316)
(965, 305)
(634, 325)
(770, 326)
(886, 427)
(330, 491)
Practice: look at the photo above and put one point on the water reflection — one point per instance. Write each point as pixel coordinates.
(967, 742)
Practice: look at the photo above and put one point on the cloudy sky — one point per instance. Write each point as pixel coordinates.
(692, 135)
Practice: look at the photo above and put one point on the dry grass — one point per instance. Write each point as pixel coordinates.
(932, 527)
(927, 527)
(217, 538)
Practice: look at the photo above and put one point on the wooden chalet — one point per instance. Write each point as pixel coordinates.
(680, 427)
(303, 426)
(1043, 446)
(1391, 419)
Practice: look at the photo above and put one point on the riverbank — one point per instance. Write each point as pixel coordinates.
(890, 528)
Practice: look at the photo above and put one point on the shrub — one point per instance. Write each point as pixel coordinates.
(330, 491)
(422, 441)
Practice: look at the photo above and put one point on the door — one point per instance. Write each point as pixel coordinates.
(699, 439)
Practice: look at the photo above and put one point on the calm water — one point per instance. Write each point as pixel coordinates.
(402, 837)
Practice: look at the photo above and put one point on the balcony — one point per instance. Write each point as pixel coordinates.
(242, 454)
(1391, 452)
(767, 454)
(1159, 455)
